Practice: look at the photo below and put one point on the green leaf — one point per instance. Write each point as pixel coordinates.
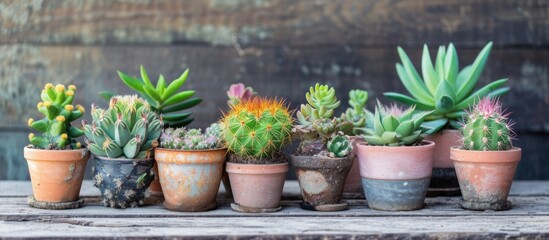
(374, 140)
(181, 123)
(378, 126)
(40, 125)
(364, 131)
(478, 67)
(161, 85)
(106, 95)
(462, 77)
(182, 105)
(451, 64)
(405, 128)
(434, 126)
(410, 85)
(132, 83)
(445, 97)
(389, 137)
(407, 100)
(455, 124)
(429, 75)
(145, 76)
(390, 123)
(152, 93)
(179, 97)
(176, 117)
(439, 65)
(482, 92)
(413, 76)
(175, 85)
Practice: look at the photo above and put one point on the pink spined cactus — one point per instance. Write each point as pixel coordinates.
(239, 92)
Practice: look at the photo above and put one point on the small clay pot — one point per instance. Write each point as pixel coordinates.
(257, 187)
(123, 182)
(190, 178)
(396, 178)
(155, 190)
(443, 180)
(485, 177)
(321, 180)
(353, 182)
(56, 175)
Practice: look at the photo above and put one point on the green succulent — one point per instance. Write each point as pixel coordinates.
(192, 139)
(127, 129)
(443, 89)
(356, 114)
(57, 131)
(163, 98)
(339, 146)
(393, 126)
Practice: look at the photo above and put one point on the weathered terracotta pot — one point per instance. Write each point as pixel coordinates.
(353, 182)
(321, 180)
(257, 186)
(396, 178)
(123, 182)
(156, 194)
(190, 179)
(485, 177)
(443, 180)
(56, 175)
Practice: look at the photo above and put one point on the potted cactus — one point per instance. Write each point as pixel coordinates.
(486, 163)
(322, 161)
(56, 161)
(355, 114)
(446, 92)
(190, 164)
(166, 100)
(255, 131)
(122, 138)
(395, 164)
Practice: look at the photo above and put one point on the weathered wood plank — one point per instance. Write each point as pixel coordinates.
(465, 227)
(276, 23)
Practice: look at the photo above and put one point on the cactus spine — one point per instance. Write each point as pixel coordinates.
(57, 131)
(487, 127)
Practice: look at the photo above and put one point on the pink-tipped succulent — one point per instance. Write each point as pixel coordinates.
(487, 127)
(239, 92)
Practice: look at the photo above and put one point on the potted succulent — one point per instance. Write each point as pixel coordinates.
(255, 131)
(322, 161)
(56, 161)
(166, 100)
(190, 164)
(355, 114)
(122, 138)
(446, 92)
(486, 163)
(395, 164)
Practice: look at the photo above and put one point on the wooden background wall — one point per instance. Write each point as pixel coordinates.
(280, 47)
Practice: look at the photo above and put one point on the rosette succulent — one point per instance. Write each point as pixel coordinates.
(443, 88)
(487, 127)
(356, 113)
(339, 146)
(57, 131)
(192, 139)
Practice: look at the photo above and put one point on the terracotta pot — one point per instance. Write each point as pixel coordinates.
(190, 179)
(396, 178)
(257, 186)
(353, 182)
(56, 175)
(123, 182)
(443, 180)
(157, 196)
(485, 177)
(321, 180)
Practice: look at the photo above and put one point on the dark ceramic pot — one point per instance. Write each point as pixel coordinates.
(123, 182)
(321, 180)
(443, 180)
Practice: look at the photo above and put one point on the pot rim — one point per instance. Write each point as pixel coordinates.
(257, 169)
(122, 159)
(43, 154)
(322, 157)
(425, 144)
(513, 155)
(181, 150)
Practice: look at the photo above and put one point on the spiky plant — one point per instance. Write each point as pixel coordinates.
(393, 126)
(339, 146)
(356, 113)
(487, 127)
(192, 139)
(316, 124)
(442, 88)
(239, 92)
(255, 130)
(127, 129)
(163, 98)
(57, 131)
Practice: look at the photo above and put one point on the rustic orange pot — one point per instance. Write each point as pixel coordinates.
(353, 182)
(157, 196)
(485, 177)
(56, 175)
(257, 186)
(190, 179)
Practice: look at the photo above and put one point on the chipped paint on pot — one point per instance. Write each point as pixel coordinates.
(257, 186)
(56, 175)
(123, 182)
(396, 178)
(321, 179)
(190, 179)
(444, 181)
(353, 181)
(485, 177)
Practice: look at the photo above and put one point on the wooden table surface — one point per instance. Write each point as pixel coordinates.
(441, 218)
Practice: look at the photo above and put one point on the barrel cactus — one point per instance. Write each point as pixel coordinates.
(487, 127)
(393, 126)
(356, 113)
(255, 130)
(57, 131)
(192, 139)
(127, 129)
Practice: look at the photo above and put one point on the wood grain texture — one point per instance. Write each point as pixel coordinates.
(274, 23)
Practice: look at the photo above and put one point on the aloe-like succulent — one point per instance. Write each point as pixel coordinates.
(356, 113)
(393, 126)
(239, 92)
(339, 146)
(442, 88)
(163, 98)
(487, 127)
(127, 129)
(192, 139)
(57, 131)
